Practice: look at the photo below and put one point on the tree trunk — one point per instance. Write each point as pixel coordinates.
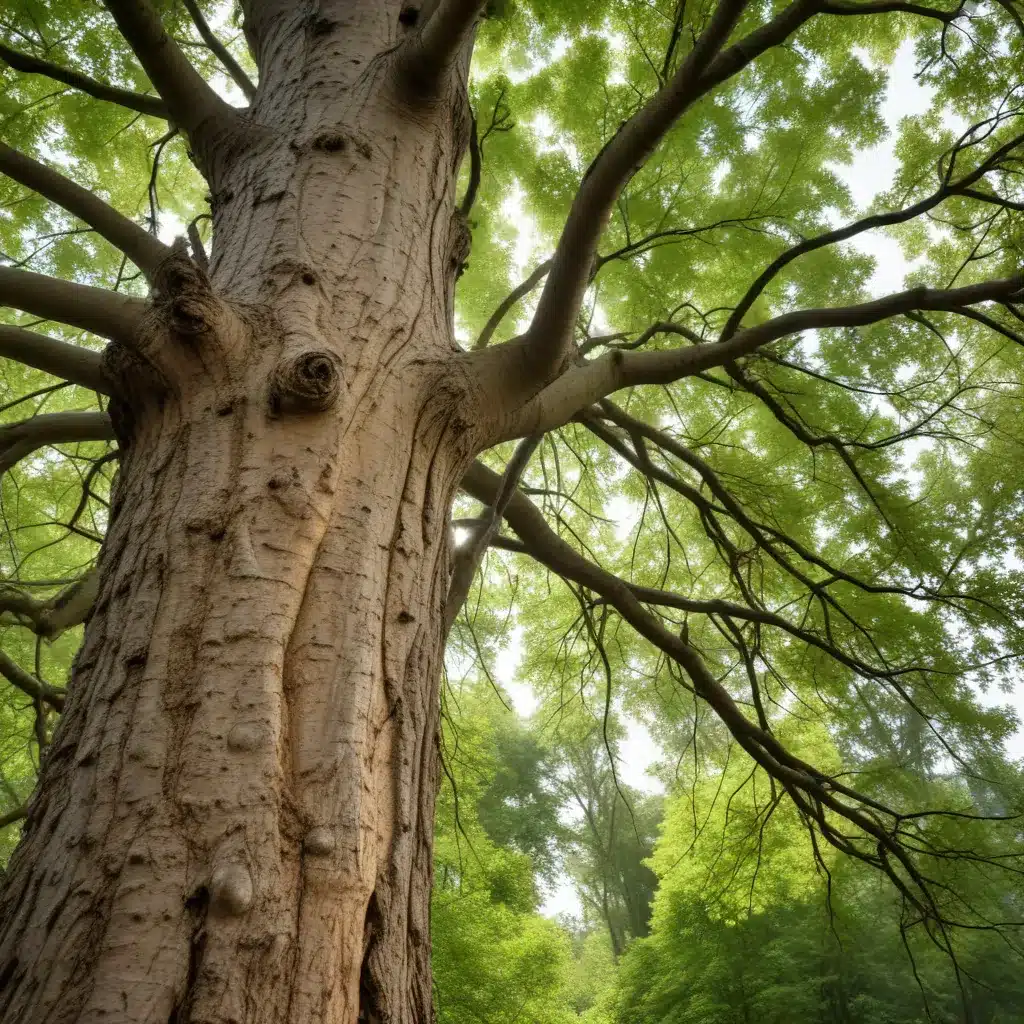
(234, 820)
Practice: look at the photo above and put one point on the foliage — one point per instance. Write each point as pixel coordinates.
(495, 958)
(783, 943)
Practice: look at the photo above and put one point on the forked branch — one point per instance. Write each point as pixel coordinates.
(548, 341)
(542, 353)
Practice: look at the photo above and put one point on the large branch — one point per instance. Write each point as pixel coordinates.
(881, 835)
(24, 62)
(223, 54)
(542, 352)
(584, 384)
(55, 615)
(105, 313)
(21, 439)
(190, 100)
(70, 362)
(145, 251)
(437, 44)
(843, 7)
(548, 341)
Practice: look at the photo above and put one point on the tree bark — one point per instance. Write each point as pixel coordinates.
(235, 816)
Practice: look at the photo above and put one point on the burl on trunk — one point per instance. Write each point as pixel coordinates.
(235, 818)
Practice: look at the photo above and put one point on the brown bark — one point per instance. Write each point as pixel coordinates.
(235, 817)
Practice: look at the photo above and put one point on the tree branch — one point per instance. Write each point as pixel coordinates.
(29, 684)
(541, 353)
(891, 7)
(548, 341)
(105, 313)
(435, 47)
(145, 251)
(17, 608)
(223, 54)
(469, 558)
(880, 834)
(55, 615)
(24, 62)
(585, 383)
(499, 123)
(78, 365)
(1007, 5)
(16, 814)
(763, 535)
(634, 248)
(522, 289)
(961, 187)
(190, 100)
(21, 439)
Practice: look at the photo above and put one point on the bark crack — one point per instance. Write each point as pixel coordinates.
(197, 905)
(369, 990)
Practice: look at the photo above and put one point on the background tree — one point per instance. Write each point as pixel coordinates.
(745, 929)
(235, 811)
(612, 836)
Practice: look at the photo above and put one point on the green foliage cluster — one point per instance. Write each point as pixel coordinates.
(743, 925)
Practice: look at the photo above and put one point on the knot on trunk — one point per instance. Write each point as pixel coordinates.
(182, 291)
(309, 382)
(231, 889)
(319, 842)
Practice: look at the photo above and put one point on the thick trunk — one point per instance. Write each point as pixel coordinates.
(235, 817)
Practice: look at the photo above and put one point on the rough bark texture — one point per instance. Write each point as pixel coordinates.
(235, 817)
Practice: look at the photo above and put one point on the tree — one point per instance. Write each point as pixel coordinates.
(613, 836)
(494, 957)
(234, 814)
(746, 930)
